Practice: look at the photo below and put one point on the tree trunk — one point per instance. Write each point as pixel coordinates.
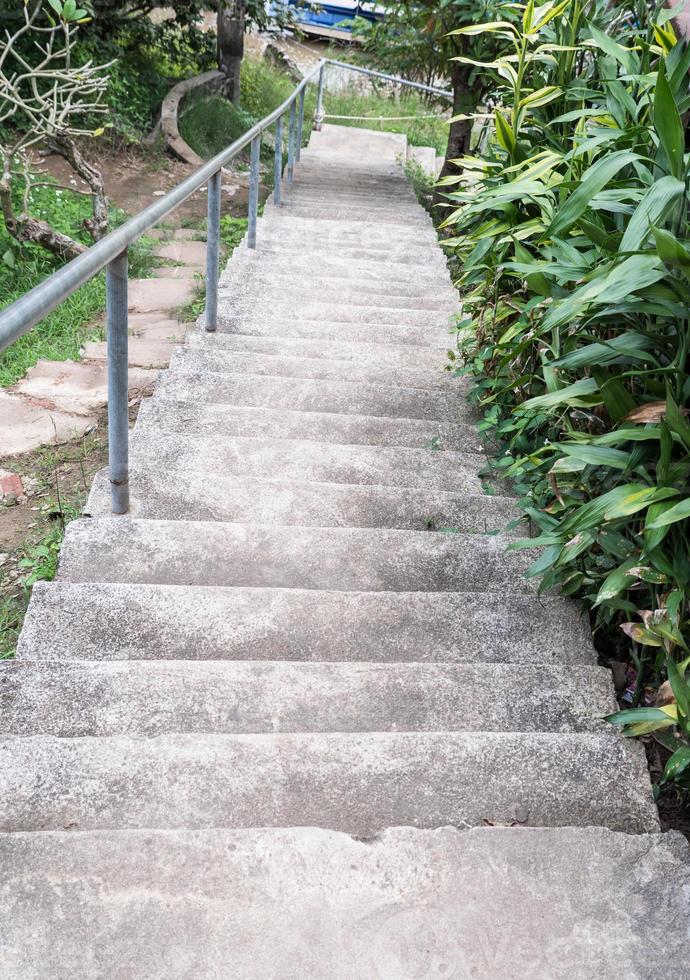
(231, 16)
(460, 131)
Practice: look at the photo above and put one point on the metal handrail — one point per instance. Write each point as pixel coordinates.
(111, 253)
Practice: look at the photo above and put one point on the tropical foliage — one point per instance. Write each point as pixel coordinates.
(572, 237)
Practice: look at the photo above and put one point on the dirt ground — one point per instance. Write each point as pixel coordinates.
(136, 176)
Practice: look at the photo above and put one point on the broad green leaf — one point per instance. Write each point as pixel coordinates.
(677, 764)
(616, 582)
(653, 206)
(611, 47)
(679, 512)
(504, 134)
(490, 27)
(679, 686)
(596, 455)
(630, 716)
(638, 500)
(667, 123)
(612, 285)
(570, 395)
(593, 180)
(670, 250)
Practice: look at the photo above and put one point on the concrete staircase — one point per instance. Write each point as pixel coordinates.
(300, 714)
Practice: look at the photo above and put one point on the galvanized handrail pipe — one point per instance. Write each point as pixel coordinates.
(444, 93)
(291, 143)
(277, 160)
(212, 250)
(253, 192)
(300, 125)
(117, 322)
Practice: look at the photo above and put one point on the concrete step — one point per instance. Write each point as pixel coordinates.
(164, 552)
(176, 493)
(302, 461)
(383, 279)
(153, 698)
(376, 225)
(324, 904)
(358, 783)
(397, 356)
(289, 307)
(227, 421)
(310, 395)
(329, 246)
(271, 258)
(243, 283)
(403, 216)
(203, 357)
(115, 621)
(272, 325)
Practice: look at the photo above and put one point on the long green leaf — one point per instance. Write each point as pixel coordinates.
(679, 512)
(653, 206)
(668, 124)
(593, 180)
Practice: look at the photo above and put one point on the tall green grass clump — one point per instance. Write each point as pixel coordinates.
(572, 235)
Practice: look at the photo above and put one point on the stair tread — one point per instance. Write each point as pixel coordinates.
(325, 904)
(359, 783)
(148, 697)
(345, 558)
(235, 420)
(112, 621)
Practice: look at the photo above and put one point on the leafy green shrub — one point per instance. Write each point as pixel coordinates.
(572, 234)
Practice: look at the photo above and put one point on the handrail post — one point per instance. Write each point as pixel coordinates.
(318, 117)
(300, 126)
(253, 191)
(118, 387)
(278, 161)
(212, 251)
(291, 142)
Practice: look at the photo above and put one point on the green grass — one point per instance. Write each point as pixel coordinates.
(61, 334)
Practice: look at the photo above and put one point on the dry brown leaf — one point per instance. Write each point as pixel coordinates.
(651, 412)
(664, 696)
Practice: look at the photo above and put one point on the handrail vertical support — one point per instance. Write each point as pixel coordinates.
(253, 191)
(300, 126)
(118, 386)
(278, 161)
(291, 141)
(318, 117)
(212, 251)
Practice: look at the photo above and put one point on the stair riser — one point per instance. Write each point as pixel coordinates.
(434, 321)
